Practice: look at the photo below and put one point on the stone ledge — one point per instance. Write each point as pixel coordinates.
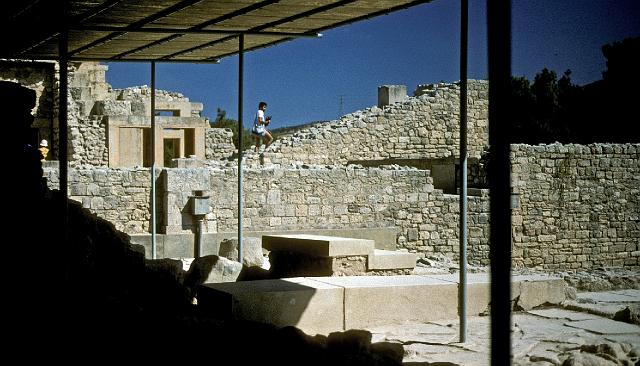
(327, 304)
(313, 306)
(318, 245)
(387, 259)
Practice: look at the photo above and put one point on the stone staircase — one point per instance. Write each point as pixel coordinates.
(295, 255)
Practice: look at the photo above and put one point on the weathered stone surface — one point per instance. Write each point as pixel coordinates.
(251, 251)
(566, 218)
(212, 269)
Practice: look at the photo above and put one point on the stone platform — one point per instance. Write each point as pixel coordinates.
(320, 305)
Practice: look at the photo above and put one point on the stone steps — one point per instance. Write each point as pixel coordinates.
(300, 255)
(318, 245)
(320, 305)
(391, 259)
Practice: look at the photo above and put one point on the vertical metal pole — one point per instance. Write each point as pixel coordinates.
(462, 285)
(499, 57)
(240, 128)
(154, 246)
(199, 240)
(63, 133)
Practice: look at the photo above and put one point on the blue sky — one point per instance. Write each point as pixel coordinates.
(309, 80)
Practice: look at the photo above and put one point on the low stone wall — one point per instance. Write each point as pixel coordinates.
(120, 196)
(275, 200)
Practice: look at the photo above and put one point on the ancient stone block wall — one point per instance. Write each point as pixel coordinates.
(121, 196)
(579, 205)
(425, 126)
(87, 133)
(219, 143)
(287, 199)
(90, 100)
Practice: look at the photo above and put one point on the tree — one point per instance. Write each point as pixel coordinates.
(619, 90)
(570, 113)
(535, 109)
(545, 93)
(551, 110)
(521, 104)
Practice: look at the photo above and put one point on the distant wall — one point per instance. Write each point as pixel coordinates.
(421, 127)
(219, 143)
(579, 205)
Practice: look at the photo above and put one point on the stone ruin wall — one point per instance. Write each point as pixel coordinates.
(578, 205)
(93, 101)
(87, 132)
(279, 199)
(422, 127)
(219, 143)
(90, 100)
(120, 196)
(42, 78)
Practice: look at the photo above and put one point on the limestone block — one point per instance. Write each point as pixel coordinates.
(388, 259)
(318, 245)
(251, 251)
(214, 269)
(532, 291)
(313, 306)
(381, 300)
(478, 290)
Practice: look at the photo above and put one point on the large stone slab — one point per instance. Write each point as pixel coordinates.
(313, 306)
(562, 314)
(327, 304)
(619, 296)
(318, 245)
(388, 259)
(478, 290)
(605, 326)
(529, 290)
(535, 290)
(378, 300)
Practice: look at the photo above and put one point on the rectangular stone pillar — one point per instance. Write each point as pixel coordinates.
(389, 94)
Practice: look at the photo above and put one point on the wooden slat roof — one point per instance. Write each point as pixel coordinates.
(171, 30)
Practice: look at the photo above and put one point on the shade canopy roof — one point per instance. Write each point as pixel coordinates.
(171, 30)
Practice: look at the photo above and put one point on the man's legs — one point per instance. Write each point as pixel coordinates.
(269, 139)
(257, 139)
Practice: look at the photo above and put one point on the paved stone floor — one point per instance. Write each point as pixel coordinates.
(579, 329)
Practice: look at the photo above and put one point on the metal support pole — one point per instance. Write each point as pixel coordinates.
(240, 128)
(199, 235)
(154, 246)
(63, 134)
(462, 286)
(499, 52)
